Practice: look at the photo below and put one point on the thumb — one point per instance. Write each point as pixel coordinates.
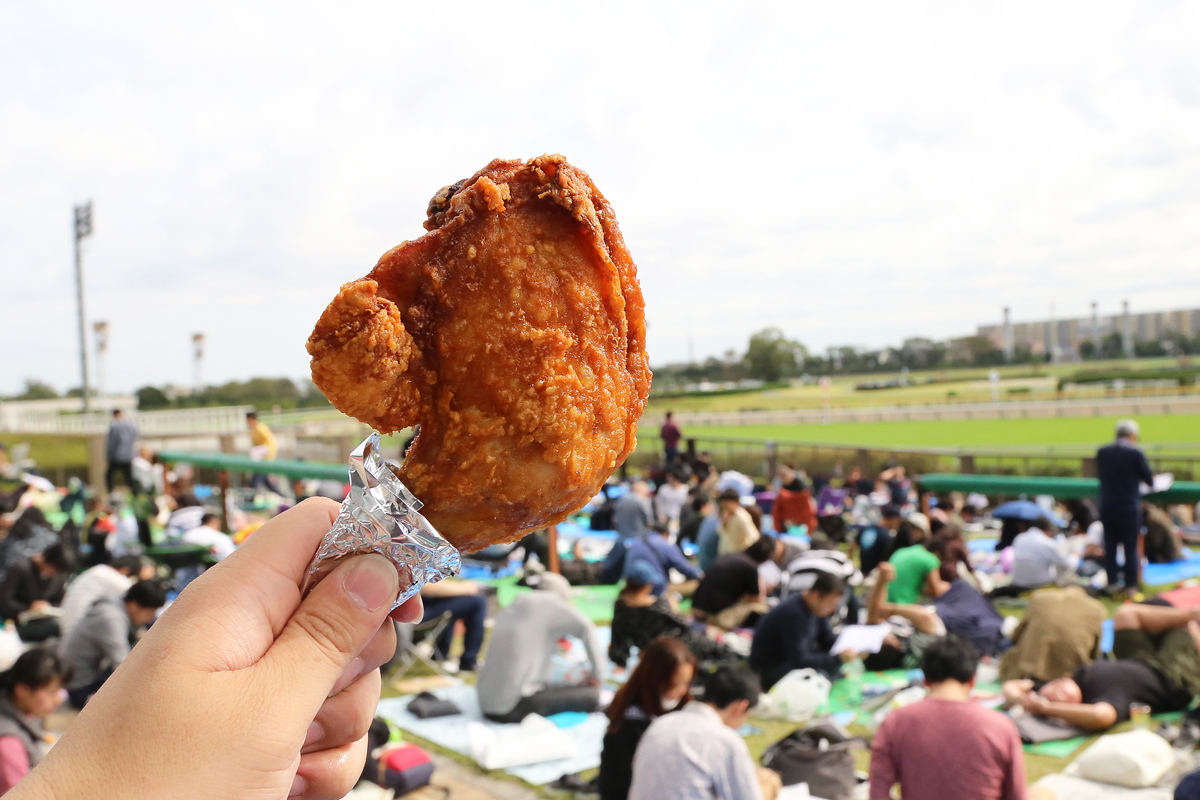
(331, 627)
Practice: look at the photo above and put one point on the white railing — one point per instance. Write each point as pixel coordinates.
(216, 420)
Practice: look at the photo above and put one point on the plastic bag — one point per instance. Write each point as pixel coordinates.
(796, 697)
(535, 740)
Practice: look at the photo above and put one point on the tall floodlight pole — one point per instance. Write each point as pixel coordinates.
(198, 362)
(83, 229)
(100, 337)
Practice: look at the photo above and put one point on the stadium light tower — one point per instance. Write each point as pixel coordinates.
(83, 229)
(1096, 326)
(197, 362)
(100, 335)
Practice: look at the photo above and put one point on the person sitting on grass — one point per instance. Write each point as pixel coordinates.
(796, 634)
(731, 593)
(697, 752)
(516, 679)
(875, 543)
(640, 616)
(1037, 559)
(918, 571)
(1157, 664)
(465, 602)
(660, 683)
(104, 636)
(1060, 633)
(658, 553)
(947, 745)
(29, 691)
(35, 584)
(914, 627)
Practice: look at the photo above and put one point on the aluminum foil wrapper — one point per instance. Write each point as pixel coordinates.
(380, 516)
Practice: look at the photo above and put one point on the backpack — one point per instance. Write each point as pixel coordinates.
(403, 769)
(820, 755)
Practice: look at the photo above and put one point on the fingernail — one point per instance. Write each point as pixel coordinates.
(299, 786)
(371, 582)
(315, 732)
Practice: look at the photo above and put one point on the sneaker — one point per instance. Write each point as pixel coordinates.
(450, 667)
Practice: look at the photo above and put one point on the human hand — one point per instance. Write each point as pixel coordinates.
(1034, 703)
(39, 605)
(1015, 691)
(770, 782)
(242, 688)
(848, 655)
(887, 571)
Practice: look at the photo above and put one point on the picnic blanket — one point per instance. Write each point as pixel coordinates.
(1183, 598)
(587, 734)
(1176, 571)
(1069, 787)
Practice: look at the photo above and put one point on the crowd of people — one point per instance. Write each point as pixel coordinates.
(725, 587)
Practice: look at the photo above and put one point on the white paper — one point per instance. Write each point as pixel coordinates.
(1162, 482)
(860, 639)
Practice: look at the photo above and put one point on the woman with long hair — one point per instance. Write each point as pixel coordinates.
(660, 683)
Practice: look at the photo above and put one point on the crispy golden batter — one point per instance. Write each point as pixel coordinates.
(514, 334)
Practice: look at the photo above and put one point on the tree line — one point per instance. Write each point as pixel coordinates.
(258, 392)
(770, 355)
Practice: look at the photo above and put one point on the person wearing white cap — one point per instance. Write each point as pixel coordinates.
(1122, 468)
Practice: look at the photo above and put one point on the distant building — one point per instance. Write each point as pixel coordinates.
(1062, 337)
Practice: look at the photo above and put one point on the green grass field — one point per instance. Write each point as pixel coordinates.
(1020, 382)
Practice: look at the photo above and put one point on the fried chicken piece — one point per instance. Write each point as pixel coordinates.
(513, 333)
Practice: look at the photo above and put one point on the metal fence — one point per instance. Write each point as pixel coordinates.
(759, 458)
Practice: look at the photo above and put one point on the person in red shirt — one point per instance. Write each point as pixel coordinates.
(671, 434)
(947, 745)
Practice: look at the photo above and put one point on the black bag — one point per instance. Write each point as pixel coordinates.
(1035, 730)
(828, 769)
(427, 705)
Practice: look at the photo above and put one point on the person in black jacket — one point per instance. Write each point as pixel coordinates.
(35, 584)
(796, 634)
(1122, 468)
(660, 683)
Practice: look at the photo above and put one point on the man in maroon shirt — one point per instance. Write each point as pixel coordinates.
(947, 745)
(671, 434)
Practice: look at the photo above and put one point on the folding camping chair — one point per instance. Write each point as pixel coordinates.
(417, 643)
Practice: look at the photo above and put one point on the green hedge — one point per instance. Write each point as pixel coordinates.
(1183, 376)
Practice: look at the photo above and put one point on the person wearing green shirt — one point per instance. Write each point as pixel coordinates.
(917, 570)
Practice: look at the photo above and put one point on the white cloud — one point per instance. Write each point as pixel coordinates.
(850, 173)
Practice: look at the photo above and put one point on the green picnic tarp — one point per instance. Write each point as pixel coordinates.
(1062, 488)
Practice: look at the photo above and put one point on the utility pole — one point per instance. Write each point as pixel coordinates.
(100, 336)
(198, 362)
(83, 229)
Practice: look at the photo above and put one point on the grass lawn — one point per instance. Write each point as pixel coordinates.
(51, 450)
(1020, 382)
(1078, 431)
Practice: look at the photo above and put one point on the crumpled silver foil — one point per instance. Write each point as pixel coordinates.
(380, 516)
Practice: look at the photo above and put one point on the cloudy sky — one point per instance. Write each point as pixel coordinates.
(853, 173)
